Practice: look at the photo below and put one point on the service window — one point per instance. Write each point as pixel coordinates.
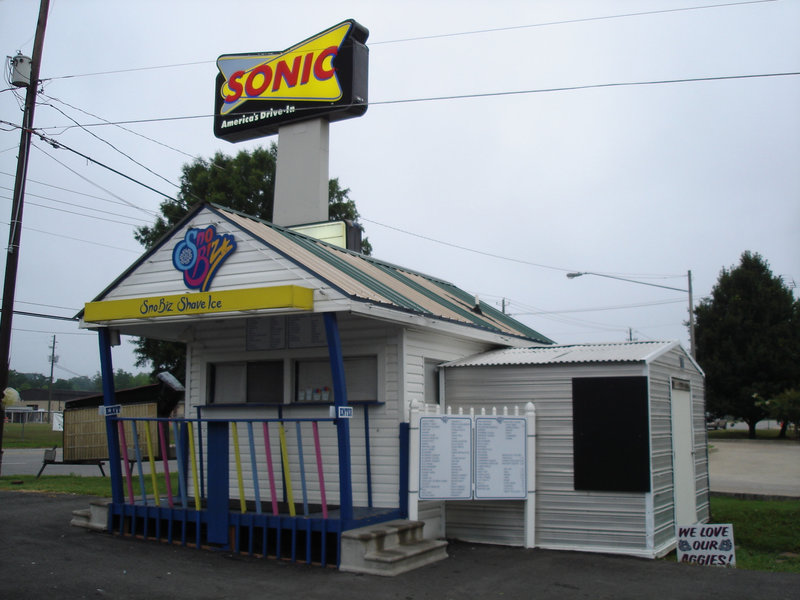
(611, 434)
(259, 382)
(314, 383)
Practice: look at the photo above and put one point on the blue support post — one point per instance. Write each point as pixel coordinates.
(342, 425)
(405, 441)
(368, 457)
(218, 482)
(109, 399)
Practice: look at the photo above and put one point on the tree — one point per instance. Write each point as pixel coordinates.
(245, 182)
(748, 340)
(785, 407)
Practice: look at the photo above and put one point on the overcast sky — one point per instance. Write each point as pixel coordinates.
(501, 194)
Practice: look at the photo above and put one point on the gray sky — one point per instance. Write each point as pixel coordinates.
(641, 181)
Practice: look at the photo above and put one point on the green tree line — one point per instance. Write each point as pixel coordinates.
(122, 380)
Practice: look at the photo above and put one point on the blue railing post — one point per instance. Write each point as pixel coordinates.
(109, 399)
(405, 431)
(342, 425)
(218, 482)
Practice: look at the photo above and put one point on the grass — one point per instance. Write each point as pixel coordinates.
(743, 434)
(76, 485)
(31, 435)
(766, 533)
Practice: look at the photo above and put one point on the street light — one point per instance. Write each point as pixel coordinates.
(666, 287)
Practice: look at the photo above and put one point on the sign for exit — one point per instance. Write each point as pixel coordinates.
(109, 411)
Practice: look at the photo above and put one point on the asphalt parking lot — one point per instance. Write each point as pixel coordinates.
(41, 555)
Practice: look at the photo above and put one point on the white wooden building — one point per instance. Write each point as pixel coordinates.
(621, 448)
(286, 330)
(257, 350)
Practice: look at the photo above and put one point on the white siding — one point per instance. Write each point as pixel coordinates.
(251, 265)
(565, 518)
(421, 346)
(224, 341)
(424, 345)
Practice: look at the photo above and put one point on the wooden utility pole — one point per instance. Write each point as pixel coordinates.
(53, 360)
(15, 223)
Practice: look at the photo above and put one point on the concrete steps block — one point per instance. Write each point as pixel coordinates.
(389, 548)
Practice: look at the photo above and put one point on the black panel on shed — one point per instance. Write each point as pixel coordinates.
(611, 434)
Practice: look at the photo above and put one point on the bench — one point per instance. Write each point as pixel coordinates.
(50, 459)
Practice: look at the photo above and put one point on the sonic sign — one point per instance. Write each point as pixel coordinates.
(323, 76)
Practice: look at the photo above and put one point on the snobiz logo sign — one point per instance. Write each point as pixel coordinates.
(200, 254)
(707, 545)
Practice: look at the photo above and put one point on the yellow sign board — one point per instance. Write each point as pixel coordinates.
(333, 232)
(284, 296)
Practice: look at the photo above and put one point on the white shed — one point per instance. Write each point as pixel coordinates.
(621, 447)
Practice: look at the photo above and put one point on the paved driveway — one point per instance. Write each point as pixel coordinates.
(761, 467)
(42, 556)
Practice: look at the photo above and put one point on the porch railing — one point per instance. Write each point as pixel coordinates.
(257, 486)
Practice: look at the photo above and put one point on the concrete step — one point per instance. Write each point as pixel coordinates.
(389, 548)
(94, 518)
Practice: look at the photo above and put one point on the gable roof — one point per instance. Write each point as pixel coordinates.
(622, 352)
(366, 279)
(363, 280)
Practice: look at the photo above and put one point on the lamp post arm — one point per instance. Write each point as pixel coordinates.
(666, 287)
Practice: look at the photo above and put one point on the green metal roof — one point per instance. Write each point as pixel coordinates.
(367, 279)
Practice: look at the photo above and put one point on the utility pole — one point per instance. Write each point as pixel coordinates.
(692, 348)
(53, 360)
(15, 223)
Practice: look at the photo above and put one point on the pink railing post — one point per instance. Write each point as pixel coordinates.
(165, 461)
(270, 470)
(318, 450)
(124, 444)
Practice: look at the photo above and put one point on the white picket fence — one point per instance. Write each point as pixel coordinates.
(486, 454)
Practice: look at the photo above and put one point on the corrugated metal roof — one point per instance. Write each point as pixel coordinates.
(577, 353)
(368, 279)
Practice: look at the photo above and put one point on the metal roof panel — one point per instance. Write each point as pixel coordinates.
(644, 352)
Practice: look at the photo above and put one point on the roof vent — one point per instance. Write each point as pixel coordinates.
(476, 306)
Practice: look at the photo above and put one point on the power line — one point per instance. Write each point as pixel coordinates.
(63, 189)
(473, 95)
(586, 87)
(43, 316)
(105, 212)
(566, 22)
(72, 212)
(97, 185)
(598, 309)
(47, 305)
(59, 145)
(113, 147)
(18, 329)
(74, 239)
(444, 35)
(459, 247)
(136, 133)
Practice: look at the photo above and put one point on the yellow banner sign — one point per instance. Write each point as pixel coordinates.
(284, 296)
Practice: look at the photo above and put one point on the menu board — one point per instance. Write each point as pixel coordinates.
(500, 463)
(445, 458)
(266, 333)
(306, 331)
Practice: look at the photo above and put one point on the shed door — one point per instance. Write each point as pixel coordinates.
(683, 453)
